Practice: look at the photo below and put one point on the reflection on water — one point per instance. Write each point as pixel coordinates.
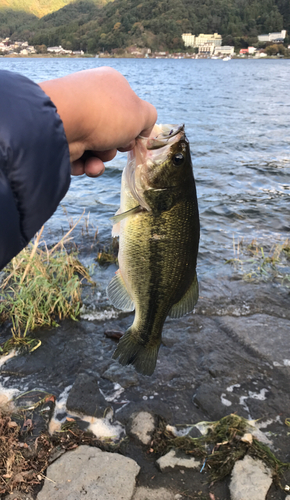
(237, 121)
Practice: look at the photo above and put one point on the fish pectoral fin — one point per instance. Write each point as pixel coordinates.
(118, 293)
(188, 301)
(118, 217)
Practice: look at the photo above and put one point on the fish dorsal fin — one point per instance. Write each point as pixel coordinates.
(188, 301)
(118, 217)
(118, 293)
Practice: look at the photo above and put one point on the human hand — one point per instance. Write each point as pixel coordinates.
(101, 114)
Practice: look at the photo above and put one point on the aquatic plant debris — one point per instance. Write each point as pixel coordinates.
(226, 441)
(257, 262)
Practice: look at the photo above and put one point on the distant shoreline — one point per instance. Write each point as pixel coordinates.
(128, 56)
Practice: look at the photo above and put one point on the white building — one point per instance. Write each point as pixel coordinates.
(273, 37)
(206, 49)
(58, 50)
(188, 39)
(225, 50)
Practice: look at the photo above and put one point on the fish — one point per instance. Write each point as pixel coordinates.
(158, 228)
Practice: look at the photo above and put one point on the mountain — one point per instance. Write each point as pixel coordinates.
(38, 8)
(155, 24)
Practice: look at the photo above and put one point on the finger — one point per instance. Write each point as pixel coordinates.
(77, 167)
(150, 118)
(129, 147)
(94, 167)
(105, 155)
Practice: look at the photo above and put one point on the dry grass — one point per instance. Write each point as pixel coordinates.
(22, 465)
(40, 287)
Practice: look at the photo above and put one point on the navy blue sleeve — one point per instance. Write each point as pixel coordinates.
(34, 162)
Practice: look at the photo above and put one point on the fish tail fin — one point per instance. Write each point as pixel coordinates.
(131, 352)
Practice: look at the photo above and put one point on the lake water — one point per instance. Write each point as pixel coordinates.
(237, 117)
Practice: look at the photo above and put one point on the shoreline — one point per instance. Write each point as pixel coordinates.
(127, 56)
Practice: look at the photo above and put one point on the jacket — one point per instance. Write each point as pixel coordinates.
(34, 162)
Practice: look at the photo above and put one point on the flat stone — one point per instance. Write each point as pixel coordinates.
(92, 473)
(142, 426)
(250, 480)
(171, 460)
(85, 397)
(257, 332)
(143, 493)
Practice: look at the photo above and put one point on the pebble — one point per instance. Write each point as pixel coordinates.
(172, 460)
(142, 426)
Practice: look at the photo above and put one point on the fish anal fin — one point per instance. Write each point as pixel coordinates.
(131, 352)
(119, 295)
(188, 301)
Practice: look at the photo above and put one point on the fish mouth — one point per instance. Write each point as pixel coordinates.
(149, 153)
(162, 136)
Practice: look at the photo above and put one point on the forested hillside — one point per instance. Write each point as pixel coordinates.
(154, 24)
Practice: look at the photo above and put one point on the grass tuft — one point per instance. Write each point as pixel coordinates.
(40, 287)
(262, 263)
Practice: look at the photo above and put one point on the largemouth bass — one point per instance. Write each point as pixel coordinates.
(158, 228)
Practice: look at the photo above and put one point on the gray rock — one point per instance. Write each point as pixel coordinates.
(143, 493)
(171, 460)
(207, 397)
(142, 426)
(250, 480)
(92, 473)
(85, 396)
(126, 376)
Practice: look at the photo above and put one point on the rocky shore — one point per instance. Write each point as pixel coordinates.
(231, 356)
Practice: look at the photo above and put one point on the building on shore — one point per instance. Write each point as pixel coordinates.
(206, 50)
(188, 39)
(201, 40)
(225, 50)
(277, 37)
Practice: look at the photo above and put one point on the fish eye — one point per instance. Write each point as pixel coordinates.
(178, 159)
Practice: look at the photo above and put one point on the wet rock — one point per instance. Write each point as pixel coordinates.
(85, 397)
(92, 473)
(255, 332)
(143, 493)
(251, 480)
(207, 398)
(126, 376)
(172, 459)
(142, 426)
